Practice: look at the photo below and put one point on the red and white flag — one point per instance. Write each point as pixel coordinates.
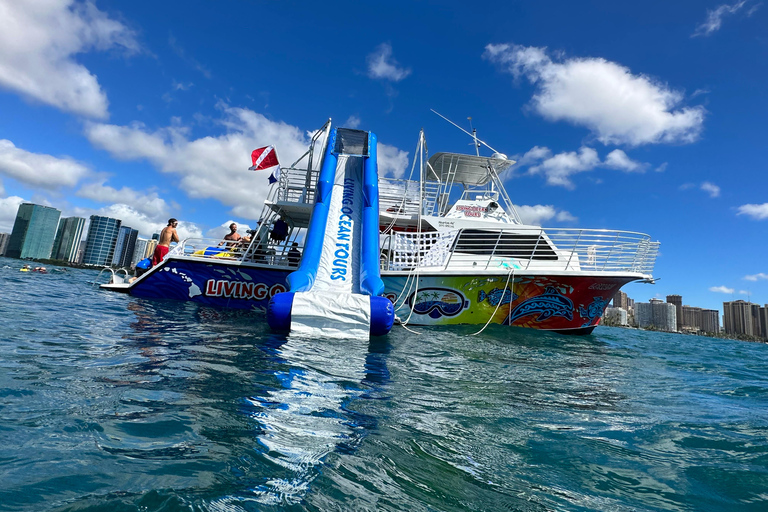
(266, 158)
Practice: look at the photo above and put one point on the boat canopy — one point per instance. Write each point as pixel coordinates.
(465, 169)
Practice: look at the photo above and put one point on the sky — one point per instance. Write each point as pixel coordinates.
(645, 117)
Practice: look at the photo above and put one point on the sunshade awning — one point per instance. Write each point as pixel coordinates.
(466, 169)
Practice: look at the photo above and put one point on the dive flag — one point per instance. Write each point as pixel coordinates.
(266, 158)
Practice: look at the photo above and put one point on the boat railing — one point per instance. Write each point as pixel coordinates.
(215, 249)
(297, 185)
(401, 196)
(551, 249)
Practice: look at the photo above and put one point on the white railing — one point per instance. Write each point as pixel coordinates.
(401, 196)
(563, 249)
(297, 185)
(211, 249)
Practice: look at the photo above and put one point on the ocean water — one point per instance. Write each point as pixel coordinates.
(113, 403)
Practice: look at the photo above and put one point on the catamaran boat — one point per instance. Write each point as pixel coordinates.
(444, 246)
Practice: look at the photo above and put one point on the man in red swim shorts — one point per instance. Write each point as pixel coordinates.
(167, 235)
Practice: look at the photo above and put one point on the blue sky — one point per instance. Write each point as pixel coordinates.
(642, 117)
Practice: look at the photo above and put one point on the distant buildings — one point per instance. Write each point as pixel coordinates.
(4, 237)
(656, 314)
(677, 300)
(68, 237)
(38, 233)
(101, 241)
(745, 318)
(124, 247)
(34, 231)
(616, 317)
(700, 320)
(144, 249)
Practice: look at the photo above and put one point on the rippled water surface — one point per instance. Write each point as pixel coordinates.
(108, 402)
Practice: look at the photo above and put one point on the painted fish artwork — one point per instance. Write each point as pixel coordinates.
(437, 302)
(594, 310)
(496, 296)
(548, 304)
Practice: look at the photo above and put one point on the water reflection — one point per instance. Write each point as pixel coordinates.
(309, 417)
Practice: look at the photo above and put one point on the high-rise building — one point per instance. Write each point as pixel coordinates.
(139, 251)
(741, 317)
(763, 320)
(615, 317)
(691, 318)
(657, 314)
(126, 242)
(68, 238)
(4, 237)
(620, 300)
(677, 300)
(710, 321)
(102, 237)
(33, 231)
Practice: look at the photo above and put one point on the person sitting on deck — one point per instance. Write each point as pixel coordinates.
(233, 238)
(294, 255)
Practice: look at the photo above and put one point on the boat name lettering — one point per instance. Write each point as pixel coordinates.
(602, 286)
(472, 211)
(241, 290)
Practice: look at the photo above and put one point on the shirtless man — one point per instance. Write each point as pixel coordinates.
(167, 235)
(234, 236)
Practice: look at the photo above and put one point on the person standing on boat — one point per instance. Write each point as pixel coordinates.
(167, 235)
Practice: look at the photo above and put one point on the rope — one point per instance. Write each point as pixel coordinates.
(510, 274)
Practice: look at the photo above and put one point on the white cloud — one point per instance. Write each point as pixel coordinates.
(559, 168)
(38, 169)
(534, 155)
(536, 215)
(9, 206)
(216, 166)
(756, 211)
(392, 161)
(712, 189)
(617, 159)
(352, 122)
(744, 292)
(715, 18)
(146, 224)
(382, 66)
(605, 97)
(148, 203)
(38, 43)
(755, 277)
(721, 289)
(662, 167)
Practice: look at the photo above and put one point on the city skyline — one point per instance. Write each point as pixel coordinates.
(644, 119)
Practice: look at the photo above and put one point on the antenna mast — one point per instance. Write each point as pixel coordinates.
(478, 142)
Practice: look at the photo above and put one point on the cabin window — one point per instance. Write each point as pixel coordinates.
(511, 245)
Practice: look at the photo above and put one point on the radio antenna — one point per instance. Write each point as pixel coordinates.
(478, 142)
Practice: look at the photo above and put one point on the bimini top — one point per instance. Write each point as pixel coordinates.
(465, 169)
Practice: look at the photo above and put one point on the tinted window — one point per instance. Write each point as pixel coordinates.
(476, 241)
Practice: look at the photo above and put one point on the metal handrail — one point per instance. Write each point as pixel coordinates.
(560, 249)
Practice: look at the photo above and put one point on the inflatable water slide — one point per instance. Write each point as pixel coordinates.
(335, 292)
